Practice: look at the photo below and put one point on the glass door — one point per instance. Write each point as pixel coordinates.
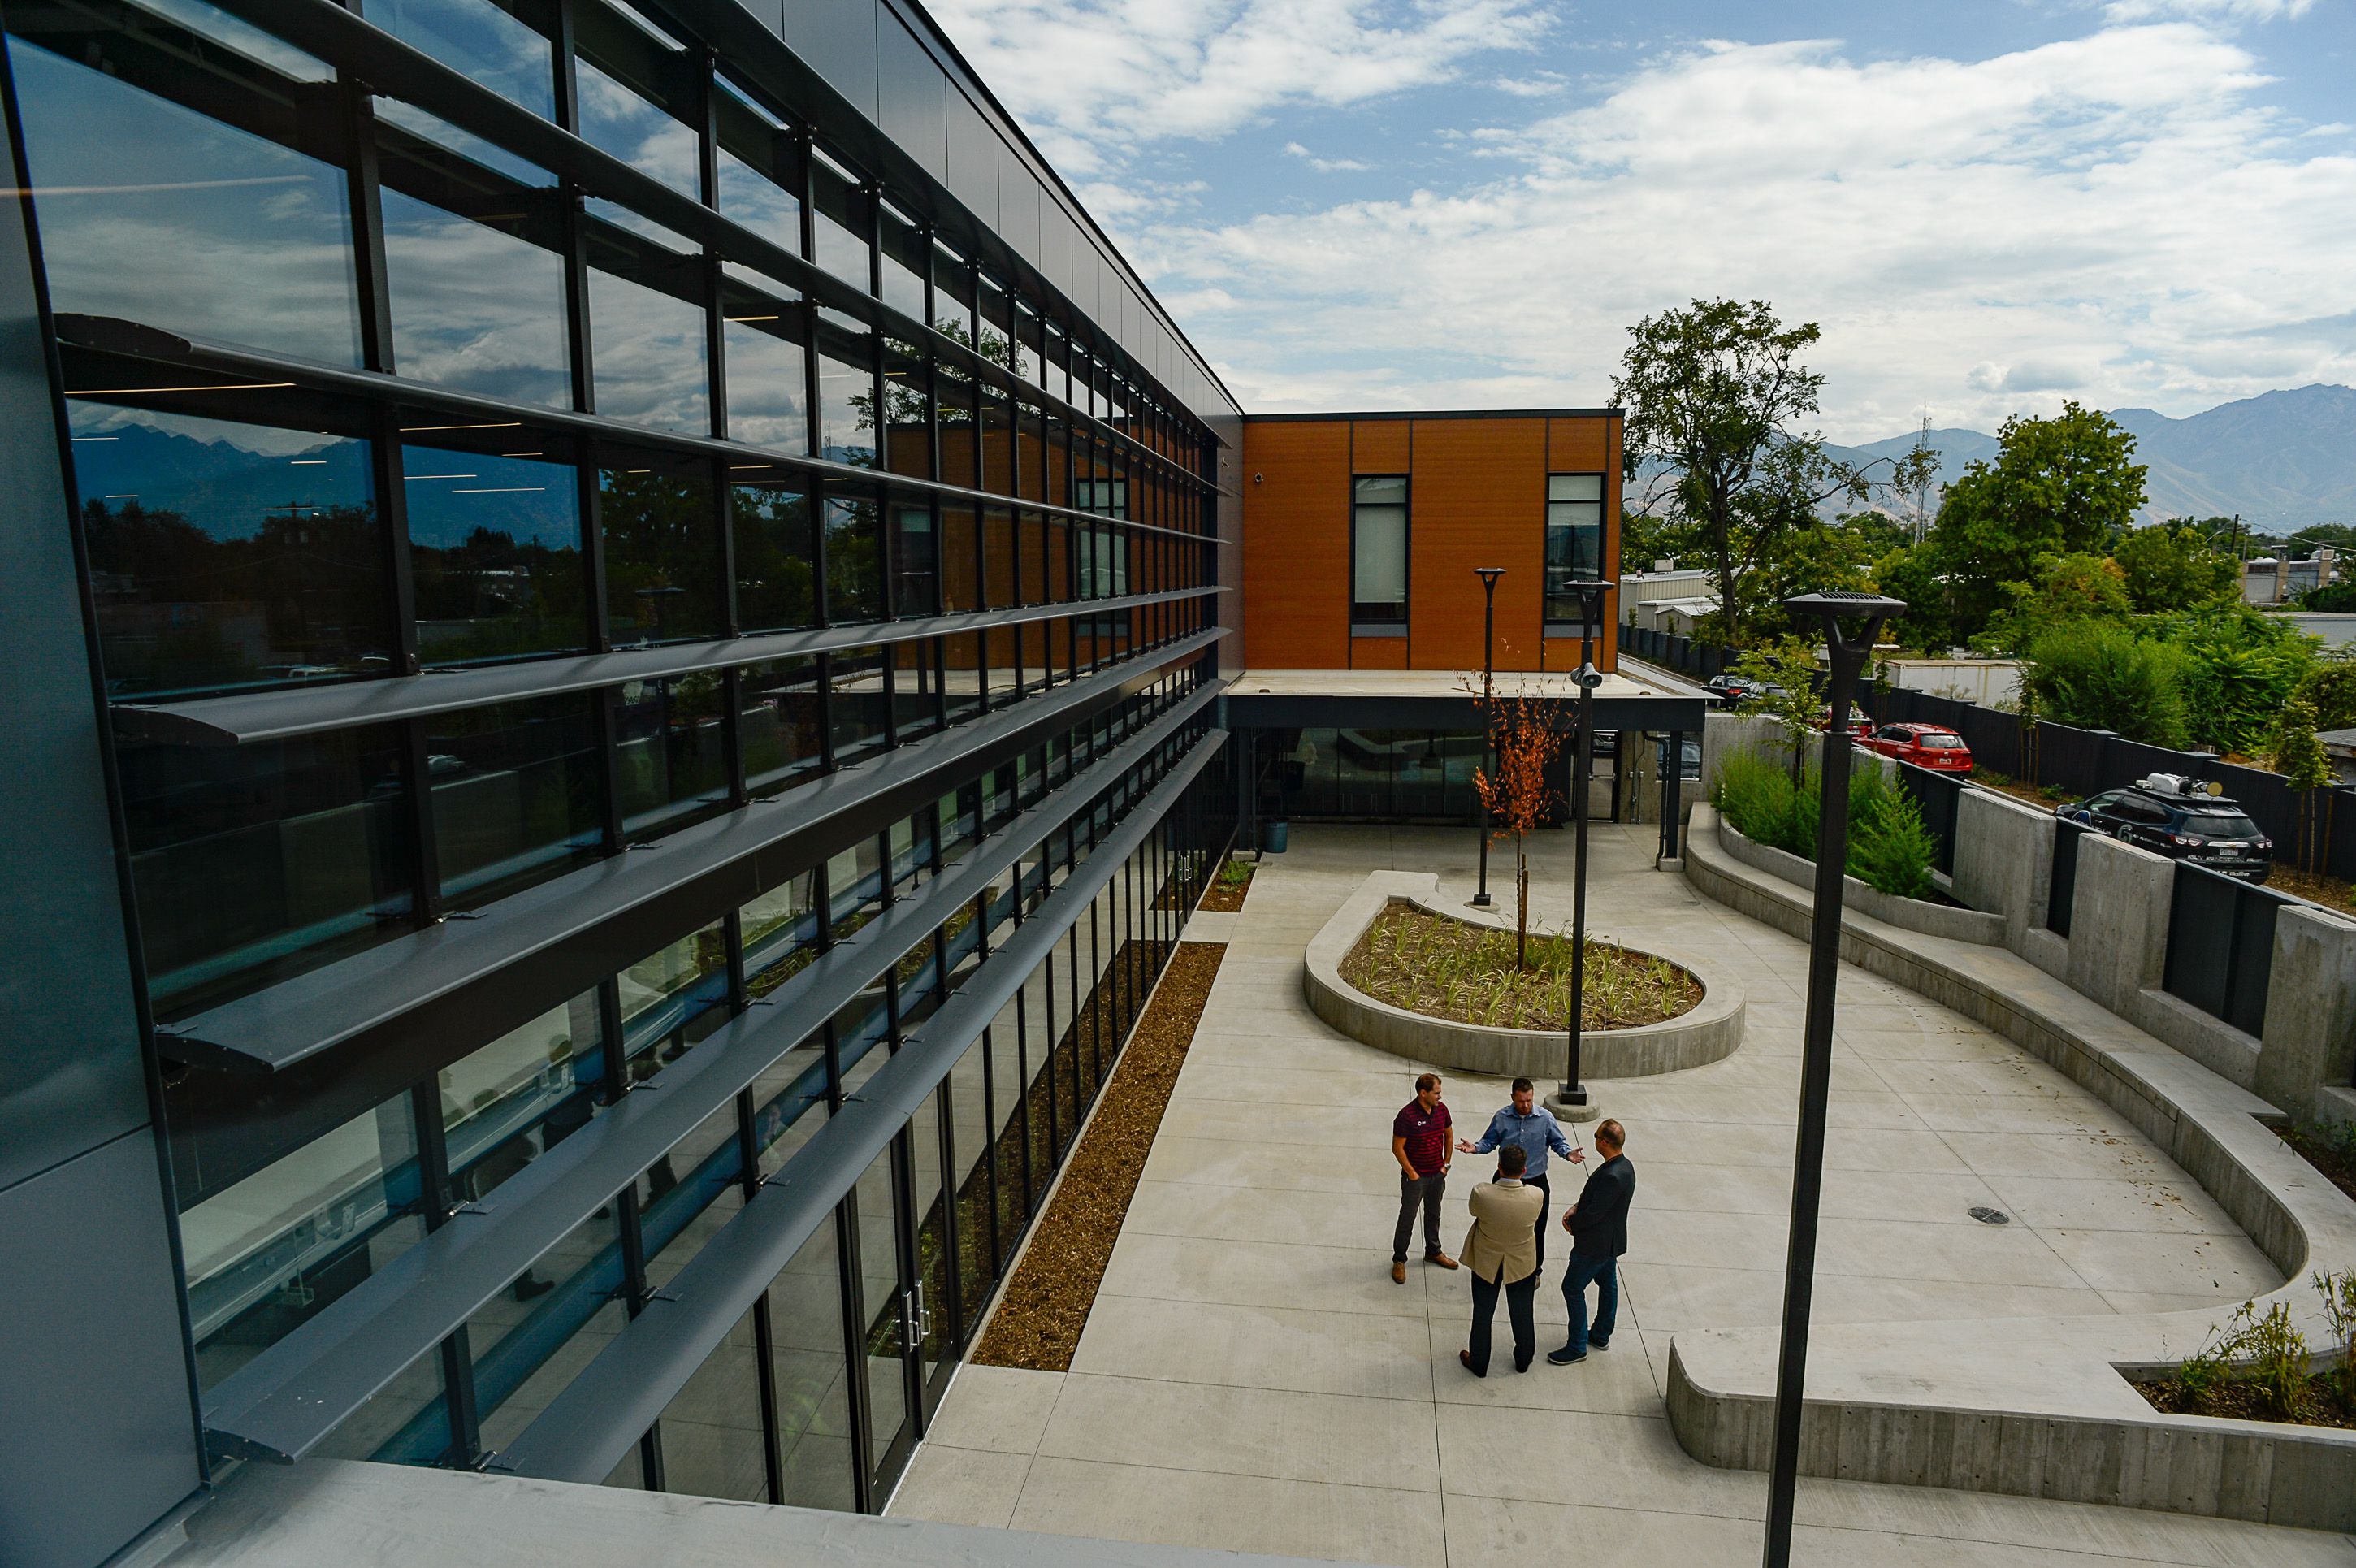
(935, 1339)
(889, 1314)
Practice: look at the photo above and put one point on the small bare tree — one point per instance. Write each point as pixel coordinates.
(1525, 734)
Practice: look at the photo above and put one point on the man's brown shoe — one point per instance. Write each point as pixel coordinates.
(1398, 1274)
(1442, 1259)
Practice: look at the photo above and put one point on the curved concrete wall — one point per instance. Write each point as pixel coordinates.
(1708, 1033)
(1914, 913)
(2040, 1407)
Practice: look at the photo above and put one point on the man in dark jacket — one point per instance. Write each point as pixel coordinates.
(1598, 1224)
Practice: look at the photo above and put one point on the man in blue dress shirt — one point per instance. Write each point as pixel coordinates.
(1531, 1127)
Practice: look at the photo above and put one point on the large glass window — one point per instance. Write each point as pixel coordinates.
(517, 791)
(810, 1364)
(476, 306)
(767, 366)
(760, 168)
(269, 1254)
(846, 392)
(225, 555)
(1574, 539)
(845, 216)
(254, 862)
(622, 122)
(497, 46)
(673, 997)
(854, 558)
(776, 573)
(648, 353)
(781, 720)
(861, 701)
(495, 552)
(669, 760)
(154, 213)
(506, 1104)
(1378, 551)
(662, 552)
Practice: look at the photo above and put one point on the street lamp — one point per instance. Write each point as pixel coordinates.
(1571, 1097)
(1847, 662)
(1488, 575)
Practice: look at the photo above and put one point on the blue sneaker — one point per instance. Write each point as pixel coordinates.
(1565, 1357)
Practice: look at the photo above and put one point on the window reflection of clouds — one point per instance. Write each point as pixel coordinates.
(767, 402)
(648, 353)
(489, 45)
(466, 144)
(254, 245)
(473, 308)
(617, 121)
(212, 22)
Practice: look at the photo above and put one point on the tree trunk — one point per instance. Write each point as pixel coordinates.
(1521, 909)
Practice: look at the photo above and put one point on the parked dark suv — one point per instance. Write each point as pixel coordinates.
(2177, 817)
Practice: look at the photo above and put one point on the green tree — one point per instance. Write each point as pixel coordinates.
(1716, 395)
(2300, 758)
(2057, 487)
(2239, 669)
(2329, 689)
(2062, 588)
(1782, 676)
(1828, 556)
(2167, 568)
(1911, 575)
(2097, 674)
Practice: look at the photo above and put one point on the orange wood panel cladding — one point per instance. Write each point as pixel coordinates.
(1297, 544)
(1476, 498)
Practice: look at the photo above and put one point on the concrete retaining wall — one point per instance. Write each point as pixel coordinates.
(2041, 1408)
(1708, 1033)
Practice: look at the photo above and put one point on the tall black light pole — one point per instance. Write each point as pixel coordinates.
(1847, 661)
(1488, 575)
(1572, 1096)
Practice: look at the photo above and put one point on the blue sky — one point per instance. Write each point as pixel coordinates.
(1988, 207)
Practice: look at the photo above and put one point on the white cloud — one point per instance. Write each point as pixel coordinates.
(1325, 165)
(1537, 84)
(2116, 218)
(1092, 79)
(2208, 10)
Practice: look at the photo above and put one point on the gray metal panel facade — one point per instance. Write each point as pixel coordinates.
(913, 96)
(98, 1438)
(836, 38)
(98, 1442)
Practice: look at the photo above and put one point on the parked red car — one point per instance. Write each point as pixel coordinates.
(1924, 745)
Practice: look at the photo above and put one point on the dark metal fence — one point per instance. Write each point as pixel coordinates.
(2312, 831)
(1936, 795)
(2221, 945)
(2062, 884)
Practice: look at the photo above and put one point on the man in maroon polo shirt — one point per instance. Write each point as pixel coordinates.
(1420, 1145)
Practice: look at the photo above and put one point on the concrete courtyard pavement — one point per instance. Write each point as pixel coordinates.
(1250, 1378)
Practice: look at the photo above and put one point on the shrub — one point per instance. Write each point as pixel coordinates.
(1890, 848)
(1891, 851)
(2339, 1293)
(2098, 675)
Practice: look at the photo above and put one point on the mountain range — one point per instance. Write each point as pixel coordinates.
(2283, 460)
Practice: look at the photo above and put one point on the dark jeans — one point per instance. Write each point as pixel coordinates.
(1604, 1272)
(1521, 1306)
(1545, 1204)
(1426, 1190)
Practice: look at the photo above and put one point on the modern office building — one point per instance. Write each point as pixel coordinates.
(618, 625)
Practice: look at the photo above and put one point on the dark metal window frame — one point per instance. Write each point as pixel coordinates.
(1361, 625)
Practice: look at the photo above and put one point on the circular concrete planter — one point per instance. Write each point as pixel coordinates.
(1709, 1032)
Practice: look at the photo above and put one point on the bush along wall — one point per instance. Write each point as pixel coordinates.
(1891, 849)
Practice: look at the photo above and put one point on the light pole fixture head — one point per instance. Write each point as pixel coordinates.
(1831, 607)
(1488, 575)
(1590, 592)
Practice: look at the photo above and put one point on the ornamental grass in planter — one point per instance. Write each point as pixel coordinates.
(1451, 968)
(1890, 848)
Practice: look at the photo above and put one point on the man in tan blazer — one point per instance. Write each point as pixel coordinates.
(1502, 1251)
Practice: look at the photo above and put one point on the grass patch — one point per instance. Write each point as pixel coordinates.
(1225, 896)
(1450, 969)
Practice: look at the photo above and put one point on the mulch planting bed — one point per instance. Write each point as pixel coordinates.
(1224, 896)
(1038, 1322)
(2335, 1158)
(1450, 969)
(2237, 1402)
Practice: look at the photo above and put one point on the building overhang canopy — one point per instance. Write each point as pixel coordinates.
(1446, 699)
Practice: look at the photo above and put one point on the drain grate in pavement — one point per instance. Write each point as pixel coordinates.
(1991, 1216)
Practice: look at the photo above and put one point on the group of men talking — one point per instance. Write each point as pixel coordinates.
(1505, 1248)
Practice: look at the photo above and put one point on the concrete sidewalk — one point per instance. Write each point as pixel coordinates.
(1251, 1378)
